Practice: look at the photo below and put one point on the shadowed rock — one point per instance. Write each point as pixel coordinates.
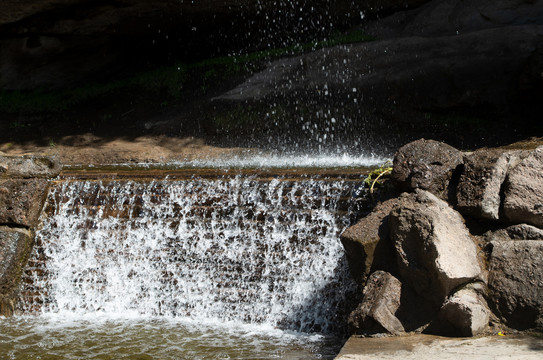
(367, 244)
(15, 246)
(376, 313)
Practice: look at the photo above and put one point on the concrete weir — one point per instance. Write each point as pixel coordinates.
(250, 246)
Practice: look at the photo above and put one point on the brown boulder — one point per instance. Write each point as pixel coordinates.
(434, 250)
(367, 244)
(21, 201)
(523, 201)
(29, 166)
(427, 165)
(15, 247)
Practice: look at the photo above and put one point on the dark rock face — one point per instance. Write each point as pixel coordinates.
(59, 43)
(376, 313)
(524, 191)
(516, 282)
(435, 252)
(15, 247)
(427, 165)
(367, 244)
(479, 189)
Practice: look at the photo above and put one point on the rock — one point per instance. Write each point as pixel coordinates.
(427, 165)
(515, 232)
(435, 252)
(454, 17)
(381, 301)
(465, 313)
(516, 282)
(367, 244)
(523, 201)
(15, 247)
(479, 189)
(30, 166)
(21, 201)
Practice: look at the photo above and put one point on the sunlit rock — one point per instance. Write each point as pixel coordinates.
(524, 191)
(516, 282)
(435, 253)
(479, 189)
(427, 165)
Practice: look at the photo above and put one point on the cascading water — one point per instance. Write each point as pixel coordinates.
(235, 251)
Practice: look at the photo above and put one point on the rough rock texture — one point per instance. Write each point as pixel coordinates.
(21, 201)
(427, 165)
(376, 313)
(435, 252)
(524, 191)
(15, 247)
(57, 43)
(455, 17)
(465, 313)
(479, 68)
(515, 232)
(29, 166)
(367, 244)
(479, 189)
(516, 282)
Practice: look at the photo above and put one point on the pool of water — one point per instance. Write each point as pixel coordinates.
(106, 336)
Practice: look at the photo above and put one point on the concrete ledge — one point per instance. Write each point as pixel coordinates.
(426, 347)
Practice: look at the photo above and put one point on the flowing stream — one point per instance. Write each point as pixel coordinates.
(207, 267)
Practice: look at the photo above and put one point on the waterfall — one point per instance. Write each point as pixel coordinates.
(242, 249)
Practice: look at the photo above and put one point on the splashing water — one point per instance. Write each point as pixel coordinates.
(235, 251)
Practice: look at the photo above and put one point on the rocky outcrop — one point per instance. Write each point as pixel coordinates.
(444, 265)
(24, 182)
(524, 191)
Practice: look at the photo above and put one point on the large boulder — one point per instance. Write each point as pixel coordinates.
(376, 313)
(427, 165)
(479, 189)
(21, 201)
(435, 253)
(464, 313)
(514, 232)
(367, 243)
(523, 201)
(15, 247)
(516, 282)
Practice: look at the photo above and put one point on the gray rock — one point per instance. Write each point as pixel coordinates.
(376, 313)
(15, 247)
(435, 252)
(30, 166)
(523, 201)
(21, 201)
(465, 313)
(479, 189)
(515, 232)
(516, 282)
(367, 244)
